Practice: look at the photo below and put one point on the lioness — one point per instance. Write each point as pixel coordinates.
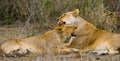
(50, 40)
(89, 38)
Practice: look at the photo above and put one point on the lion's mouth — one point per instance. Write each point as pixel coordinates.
(73, 34)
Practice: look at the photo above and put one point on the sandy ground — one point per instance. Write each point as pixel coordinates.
(9, 33)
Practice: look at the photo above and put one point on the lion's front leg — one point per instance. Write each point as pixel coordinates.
(69, 43)
(65, 50)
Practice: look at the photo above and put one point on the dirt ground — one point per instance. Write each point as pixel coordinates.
(9, 33)
(68, 57)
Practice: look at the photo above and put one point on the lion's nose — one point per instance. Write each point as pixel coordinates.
(61, 23)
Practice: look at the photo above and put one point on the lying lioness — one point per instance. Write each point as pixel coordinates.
(51, 41)
(89, 38)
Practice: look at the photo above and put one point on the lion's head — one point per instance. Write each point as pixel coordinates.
(68, 18)
(66, 31)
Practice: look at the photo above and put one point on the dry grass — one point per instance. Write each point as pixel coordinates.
(46, 11)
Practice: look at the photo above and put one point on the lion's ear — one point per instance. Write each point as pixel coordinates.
(75, 12)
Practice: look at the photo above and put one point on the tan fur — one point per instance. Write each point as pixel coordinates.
(90, 38)
(50, 41)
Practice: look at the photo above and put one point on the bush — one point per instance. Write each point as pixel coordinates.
(48, 10)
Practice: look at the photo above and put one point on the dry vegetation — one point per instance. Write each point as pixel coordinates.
(24, 18)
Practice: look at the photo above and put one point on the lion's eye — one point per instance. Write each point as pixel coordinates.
(60, 29)
(75, 27)
(57, 19)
